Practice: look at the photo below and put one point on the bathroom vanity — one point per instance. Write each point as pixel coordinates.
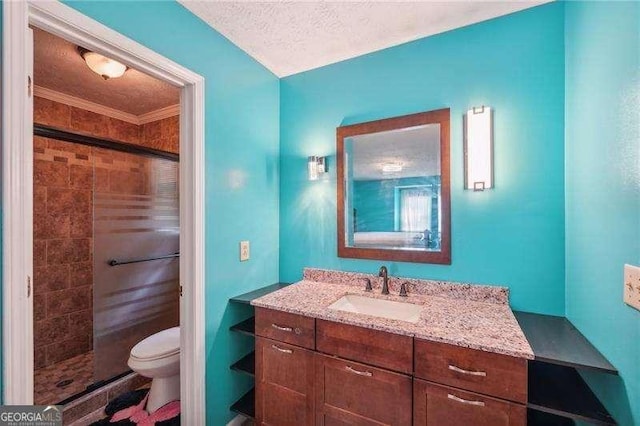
(329, 352)
(321, 372)
(328, 366)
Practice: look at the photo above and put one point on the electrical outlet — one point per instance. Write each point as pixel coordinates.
(244, 251)
(632, 286)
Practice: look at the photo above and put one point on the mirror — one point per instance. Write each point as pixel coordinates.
(393, 189)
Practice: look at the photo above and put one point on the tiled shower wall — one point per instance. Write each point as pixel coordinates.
(65, 176)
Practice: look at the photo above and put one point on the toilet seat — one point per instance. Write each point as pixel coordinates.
(157, 346)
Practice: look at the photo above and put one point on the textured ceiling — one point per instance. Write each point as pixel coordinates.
(416, 149)
(289, 37)
(58, 66)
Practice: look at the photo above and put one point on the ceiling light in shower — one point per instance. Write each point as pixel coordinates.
(105, 67)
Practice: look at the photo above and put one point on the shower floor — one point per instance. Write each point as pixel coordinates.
(79, 369)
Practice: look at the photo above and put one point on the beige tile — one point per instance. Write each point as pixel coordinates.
(68, 250)
(50, 278)
(50, 113)
(50, 330)
(69, 300)
(81, 177)
(51, 173)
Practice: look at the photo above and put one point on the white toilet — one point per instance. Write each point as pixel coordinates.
(158, 357)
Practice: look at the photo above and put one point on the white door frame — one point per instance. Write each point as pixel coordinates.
(17, 186)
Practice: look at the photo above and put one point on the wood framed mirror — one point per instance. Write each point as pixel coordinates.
(394, 191)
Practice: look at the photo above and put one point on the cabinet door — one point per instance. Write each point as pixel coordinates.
(284, 384)
(436, 405)
(350, 393)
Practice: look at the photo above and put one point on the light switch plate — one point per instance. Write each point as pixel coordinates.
(244, 251)
(632, 286)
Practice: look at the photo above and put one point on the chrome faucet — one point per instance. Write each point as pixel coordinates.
(385, 279)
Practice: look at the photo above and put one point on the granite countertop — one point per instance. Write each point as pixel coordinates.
(477, 317)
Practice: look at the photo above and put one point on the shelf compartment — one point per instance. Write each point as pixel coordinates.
(560, 390)
(246, 298)
(539, 418)
(556, 341)
(247, 327)
(246, 405)
(246, 365)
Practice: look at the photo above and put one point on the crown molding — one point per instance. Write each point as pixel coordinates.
(63, 98)
(159, 114)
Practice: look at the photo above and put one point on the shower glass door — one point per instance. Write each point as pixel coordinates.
(136, 244)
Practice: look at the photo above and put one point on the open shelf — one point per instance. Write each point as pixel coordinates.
(556, 341)
(247, 327)
(246, 405)
(246, 365)
(539, 418)
(560, 390)
(246, 298)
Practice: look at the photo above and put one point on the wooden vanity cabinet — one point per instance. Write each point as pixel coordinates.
(321, 372)
(350, 393)
(437, 405)
(284, 384)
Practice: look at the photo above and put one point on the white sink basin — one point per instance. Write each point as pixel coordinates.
(378, 307)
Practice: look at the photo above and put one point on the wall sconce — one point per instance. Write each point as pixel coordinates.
(478, 149)
(316, 166)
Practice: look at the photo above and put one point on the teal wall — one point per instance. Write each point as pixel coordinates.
(515, 64)
(603, 189)
(241, 157)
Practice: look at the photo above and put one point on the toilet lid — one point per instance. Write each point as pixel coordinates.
(161, 344)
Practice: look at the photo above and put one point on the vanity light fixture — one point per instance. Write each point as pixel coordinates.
(478, 149)
(391, 168)
(105, 67)
(316, 166)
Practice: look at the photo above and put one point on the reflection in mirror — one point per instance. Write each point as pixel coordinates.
(393, 191)
(391, 199)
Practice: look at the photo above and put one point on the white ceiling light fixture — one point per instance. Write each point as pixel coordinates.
(105, 67)
(391, 168)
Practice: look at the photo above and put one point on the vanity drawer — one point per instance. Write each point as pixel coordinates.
(350, 393)
(379, 348)
(488, 373)
(285, 327)
(436, 405)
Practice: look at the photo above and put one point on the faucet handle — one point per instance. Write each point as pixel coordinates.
(368, 286)
(403, 289)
